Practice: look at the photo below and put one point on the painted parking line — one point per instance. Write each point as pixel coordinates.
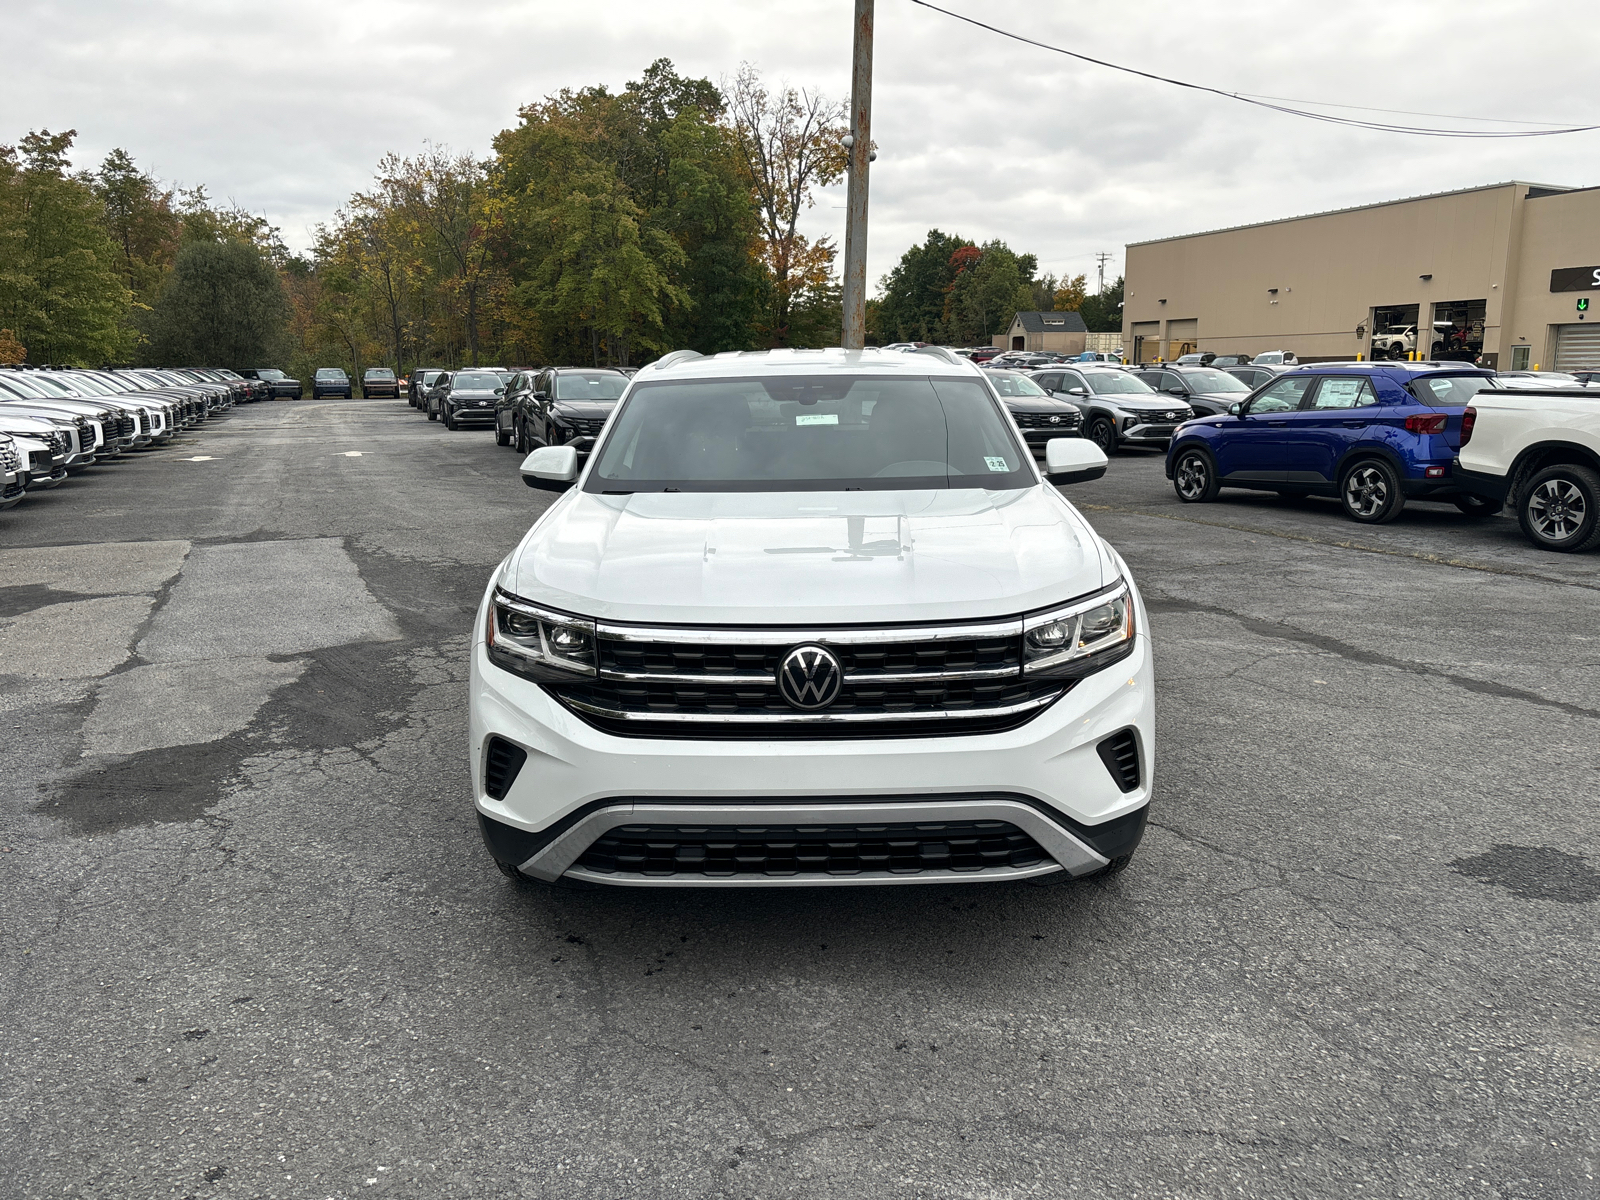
(352, 454)
(199, 458)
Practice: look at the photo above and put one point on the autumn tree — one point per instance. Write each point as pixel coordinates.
(1070, 294)
(790, 144)
(916, 292)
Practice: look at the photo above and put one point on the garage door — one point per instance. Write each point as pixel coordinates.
(1578, 347)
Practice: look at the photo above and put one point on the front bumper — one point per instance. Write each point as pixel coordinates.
(1046, 777)
(1151, 433)
(463, 412)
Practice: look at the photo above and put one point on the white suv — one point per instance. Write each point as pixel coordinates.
(811, 617)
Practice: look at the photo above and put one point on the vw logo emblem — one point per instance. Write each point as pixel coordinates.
(810, 677)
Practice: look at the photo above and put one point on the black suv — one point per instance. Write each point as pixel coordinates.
(1039, 415)
(468, 396)
(379, 381)
(558, 406)
(330, 381)
(1205, 389)
(283, 388)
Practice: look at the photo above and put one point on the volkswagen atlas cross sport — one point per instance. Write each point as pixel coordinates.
(811, 617)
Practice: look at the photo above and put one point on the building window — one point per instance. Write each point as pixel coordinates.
(1520, 357)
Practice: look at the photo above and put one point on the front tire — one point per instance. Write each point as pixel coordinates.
(1194, 477)
(1370, 492)
(502, 437)
(432, 416)
(1103, 434)
(448, 418)
(1559, 508)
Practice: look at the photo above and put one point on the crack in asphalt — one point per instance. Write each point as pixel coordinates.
(1161, 602)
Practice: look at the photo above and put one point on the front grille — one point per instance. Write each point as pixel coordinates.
(500, 767)
(778, 850)
(584, 426)
(897, 683)
(1047, 420)
(1120, 753)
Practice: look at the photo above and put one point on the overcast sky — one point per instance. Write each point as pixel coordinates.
(284, 107)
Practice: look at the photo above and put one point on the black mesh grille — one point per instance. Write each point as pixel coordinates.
(1120, 753)
(500, 767)
(584, 426)
(40, 462)
(777, 850)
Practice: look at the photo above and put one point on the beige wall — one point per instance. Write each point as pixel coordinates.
(1332, 270)
(1557, 231)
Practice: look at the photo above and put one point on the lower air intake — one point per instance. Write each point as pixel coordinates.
(1120, 753)
(500, 767)
(733, 850)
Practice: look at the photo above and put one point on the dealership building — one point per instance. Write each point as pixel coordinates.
(1502, 273)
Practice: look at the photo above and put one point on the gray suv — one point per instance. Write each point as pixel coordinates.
(1118, 408)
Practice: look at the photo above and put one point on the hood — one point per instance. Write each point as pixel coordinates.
(475, 393)
(1038, 404)
(774, 558)
(585, 408)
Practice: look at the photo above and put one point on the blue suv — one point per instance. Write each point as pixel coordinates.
(1371, 434)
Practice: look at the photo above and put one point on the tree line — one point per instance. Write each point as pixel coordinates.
(604, 227)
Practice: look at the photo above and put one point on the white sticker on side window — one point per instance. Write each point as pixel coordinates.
(996, 464)
(817, 419)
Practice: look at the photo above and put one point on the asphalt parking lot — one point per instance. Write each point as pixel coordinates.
(253, 947)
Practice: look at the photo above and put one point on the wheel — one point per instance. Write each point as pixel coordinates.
(1397, 351)
(432, 416)
(449, 419)
(1477, 506)
(1194, 477)
(1371, 492)
(1103, 434)
(1559, 508)
(502, 437)
(520, 428)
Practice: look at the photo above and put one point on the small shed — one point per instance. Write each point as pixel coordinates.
(1058, 332)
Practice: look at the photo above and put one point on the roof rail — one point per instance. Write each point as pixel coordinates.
(940, 352)
(676, 357)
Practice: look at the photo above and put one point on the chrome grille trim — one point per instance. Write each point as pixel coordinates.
(795, 636)
(851, 679)
(897, 716)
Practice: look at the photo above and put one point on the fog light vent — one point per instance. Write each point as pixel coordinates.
(1120, 753)
(500, 767)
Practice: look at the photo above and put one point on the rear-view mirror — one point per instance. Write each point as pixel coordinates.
(1073, 460)
(1236, 410)
(1078, 391)
(551, 468)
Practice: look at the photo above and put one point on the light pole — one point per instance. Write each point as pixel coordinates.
(859, 142)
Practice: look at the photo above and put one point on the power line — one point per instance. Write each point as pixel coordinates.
(1284, 107)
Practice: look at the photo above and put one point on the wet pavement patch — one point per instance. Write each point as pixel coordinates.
(346, 695)
(1534, 873)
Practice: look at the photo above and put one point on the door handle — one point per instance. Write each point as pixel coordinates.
(1277, 423)
(1356, 424)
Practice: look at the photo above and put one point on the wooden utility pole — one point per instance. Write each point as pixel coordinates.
(859, 141)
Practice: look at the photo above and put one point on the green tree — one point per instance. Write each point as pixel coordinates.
(916, 292)
(61, 293)
(1102, 313)
(223, 305)
(140, 217)
(985, 295)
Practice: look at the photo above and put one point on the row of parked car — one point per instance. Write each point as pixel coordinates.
(527, 407)
(56, 422)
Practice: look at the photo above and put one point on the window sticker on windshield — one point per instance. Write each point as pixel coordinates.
(816, 419)
(996, 464)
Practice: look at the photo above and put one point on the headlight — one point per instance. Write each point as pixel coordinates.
(537, 642)
(1081, 637)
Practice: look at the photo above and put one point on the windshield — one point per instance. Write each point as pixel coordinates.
(809, 433)
(474, 381)
(597, 385)
(1207, 380)
(1111, 383)
(86, 383)
(1009, 383)
(20, 387)
(1451, 391)
(271, 374)
(376, 373)
(330, 373)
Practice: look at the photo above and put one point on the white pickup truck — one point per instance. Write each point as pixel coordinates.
(1539, 451)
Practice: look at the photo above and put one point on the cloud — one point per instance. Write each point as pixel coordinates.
(285, 107)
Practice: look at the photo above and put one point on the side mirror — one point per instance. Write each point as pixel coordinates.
(551, 468)
(1078, 391)
(1177, 391)
(499, 391)
(541, 395)
(1073, 460)
(1236, 409)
